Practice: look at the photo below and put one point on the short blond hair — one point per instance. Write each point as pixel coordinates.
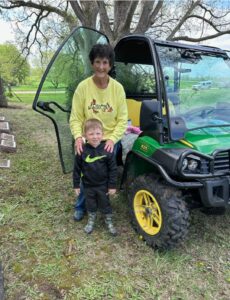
(92, 124)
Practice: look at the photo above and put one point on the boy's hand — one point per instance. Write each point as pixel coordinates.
(77, 191)
(112, 191)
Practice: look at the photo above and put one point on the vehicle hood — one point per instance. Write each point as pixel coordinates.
(206, 140)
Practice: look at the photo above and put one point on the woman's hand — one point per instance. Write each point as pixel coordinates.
(79, 145)
(109, 145)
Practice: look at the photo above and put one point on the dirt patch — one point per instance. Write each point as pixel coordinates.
(50, 290)
(17, 106)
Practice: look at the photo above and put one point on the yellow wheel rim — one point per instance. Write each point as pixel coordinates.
(147, 212)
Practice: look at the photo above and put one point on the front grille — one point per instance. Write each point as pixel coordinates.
(221, 162)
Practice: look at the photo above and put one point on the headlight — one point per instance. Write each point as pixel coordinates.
(192, 164)
(184, 164)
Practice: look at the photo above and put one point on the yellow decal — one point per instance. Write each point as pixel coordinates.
(186, 143)
(144, 147)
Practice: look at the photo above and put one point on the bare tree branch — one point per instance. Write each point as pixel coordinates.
(148, 15)
(16, 4)
(27, 17)
(206, 21)
(212, 14)
(171, 20)
(131, 9)
(156, 11)
(86, 13)
(190, 39)
(104, 20)
(123, 12)
(144, 19)
(183, 19)
(36, 27)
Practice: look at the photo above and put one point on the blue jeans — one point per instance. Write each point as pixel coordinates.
(80, 200)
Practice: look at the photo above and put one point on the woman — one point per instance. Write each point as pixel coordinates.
(98, 96)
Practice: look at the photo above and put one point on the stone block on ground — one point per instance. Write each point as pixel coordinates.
(7, 146)
(4, 127)
(6, 136)
(2, 119)
(4, 163)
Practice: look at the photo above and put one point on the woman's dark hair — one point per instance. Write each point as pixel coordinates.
(102, 51)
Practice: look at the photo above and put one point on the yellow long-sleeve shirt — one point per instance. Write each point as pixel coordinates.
(108, 105)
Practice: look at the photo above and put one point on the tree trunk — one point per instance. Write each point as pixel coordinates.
(3, 100)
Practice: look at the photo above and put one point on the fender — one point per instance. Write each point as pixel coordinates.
(182, 185)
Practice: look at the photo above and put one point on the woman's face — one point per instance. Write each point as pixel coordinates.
(101, 67)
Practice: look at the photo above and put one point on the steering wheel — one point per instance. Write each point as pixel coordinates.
(199, 112)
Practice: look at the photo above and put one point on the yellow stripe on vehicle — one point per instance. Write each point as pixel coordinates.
(186, 143)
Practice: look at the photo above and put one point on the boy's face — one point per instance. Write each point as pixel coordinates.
(94, 136)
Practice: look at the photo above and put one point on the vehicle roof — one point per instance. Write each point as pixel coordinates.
(174, 44)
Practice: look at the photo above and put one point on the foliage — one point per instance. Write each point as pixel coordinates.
(47, 22)
(13, 66)
(136, 78)
(13, 69)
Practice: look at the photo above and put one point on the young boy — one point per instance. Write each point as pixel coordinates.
(97, 170)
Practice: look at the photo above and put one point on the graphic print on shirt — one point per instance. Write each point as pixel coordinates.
(93, 159)
(97, 107)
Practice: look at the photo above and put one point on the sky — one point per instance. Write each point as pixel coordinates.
(7, 35)
(6, 32)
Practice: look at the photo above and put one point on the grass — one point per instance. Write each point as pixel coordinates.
(29, 97)
(26, 93)
(46, 255)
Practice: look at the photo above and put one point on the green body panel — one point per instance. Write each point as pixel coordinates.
(207, 140)
(147, 146)
(204, 140)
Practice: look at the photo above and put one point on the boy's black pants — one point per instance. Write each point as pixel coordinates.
(97, 198)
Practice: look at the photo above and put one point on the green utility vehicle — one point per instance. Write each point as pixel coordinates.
(182, 156)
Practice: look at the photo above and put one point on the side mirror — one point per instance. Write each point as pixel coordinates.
(178, 128)
(150, 115)
(151, 120)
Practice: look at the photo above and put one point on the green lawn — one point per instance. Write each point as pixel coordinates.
(46, 255)
(33, 85)
(29, 97)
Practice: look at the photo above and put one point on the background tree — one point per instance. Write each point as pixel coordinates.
(190, 20)
(13, 69)
(45, 22)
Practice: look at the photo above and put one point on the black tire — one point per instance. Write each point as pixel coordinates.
(168, 215)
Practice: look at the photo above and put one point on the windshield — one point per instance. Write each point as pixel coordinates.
(197, 85)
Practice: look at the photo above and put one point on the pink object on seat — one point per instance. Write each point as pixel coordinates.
(133, 129)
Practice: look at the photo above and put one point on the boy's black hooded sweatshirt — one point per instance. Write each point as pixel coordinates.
(95, 167)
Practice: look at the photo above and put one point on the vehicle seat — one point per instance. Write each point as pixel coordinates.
(134, 108)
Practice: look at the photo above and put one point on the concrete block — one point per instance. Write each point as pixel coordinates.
(6, 136)
(4, 127)
(7, 146)
(4, 163)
